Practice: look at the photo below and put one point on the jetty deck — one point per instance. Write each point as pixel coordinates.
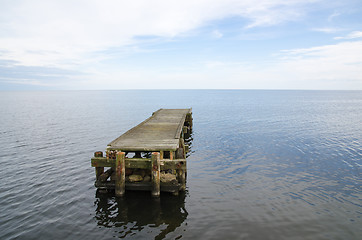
(161, 131)
(151, 156)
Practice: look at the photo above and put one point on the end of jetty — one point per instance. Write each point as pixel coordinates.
(149, 157)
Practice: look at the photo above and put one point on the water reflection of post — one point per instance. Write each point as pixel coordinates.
(138, 209)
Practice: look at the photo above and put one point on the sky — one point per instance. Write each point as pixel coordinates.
(197, 44)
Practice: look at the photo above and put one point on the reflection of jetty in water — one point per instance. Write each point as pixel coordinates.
(139, 211)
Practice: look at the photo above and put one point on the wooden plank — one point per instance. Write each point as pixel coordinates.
(139, 186)
(102, 162)
(142, 163)
(173, 164)
(147, 147)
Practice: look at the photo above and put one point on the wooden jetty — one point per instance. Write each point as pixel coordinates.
(149, 157)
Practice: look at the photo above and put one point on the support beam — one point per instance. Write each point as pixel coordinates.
(142, 163)
(155, 158)
(104, 176)
(120, 175)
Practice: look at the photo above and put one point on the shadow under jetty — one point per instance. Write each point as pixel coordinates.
(139, 213)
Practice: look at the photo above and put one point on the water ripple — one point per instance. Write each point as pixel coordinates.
(264, 165)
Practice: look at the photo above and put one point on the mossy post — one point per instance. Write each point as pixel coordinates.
(120, 175)
(99, 170)
(155, 159)
(184, 129)
(181, 176)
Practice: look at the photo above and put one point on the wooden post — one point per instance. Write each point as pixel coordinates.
(99, 170)
(155, 159)
(120, 174)
(189, 119)
(181, 176)
(187, 148)
(184, 129)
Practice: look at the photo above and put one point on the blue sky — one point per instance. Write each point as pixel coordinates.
(214, 44)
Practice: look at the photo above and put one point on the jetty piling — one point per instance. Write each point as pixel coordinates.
(155, 174)
(120, 174)
(99, 170)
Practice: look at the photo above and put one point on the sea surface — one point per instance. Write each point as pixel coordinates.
(263, 165)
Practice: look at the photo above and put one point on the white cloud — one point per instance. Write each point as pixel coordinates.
(327, 30)
(333, 15)
(217, 34)
(331, 65)
(337, 66)
(76, 34)
(352, 35)
(64, 33)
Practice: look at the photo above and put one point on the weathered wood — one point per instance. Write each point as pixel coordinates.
(120, 174)
(188, 120)
(181, 177)
(139, 186)
(180, 153)
(104, 176)
(98, 154)
(160, 132)
(102, 162)
(181, 174)
(142, 163)
(173, 164)
(181, 124)
(184, 129)
(99, 170)
(155, 174)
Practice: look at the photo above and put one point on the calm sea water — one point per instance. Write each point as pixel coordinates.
(264, 165)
